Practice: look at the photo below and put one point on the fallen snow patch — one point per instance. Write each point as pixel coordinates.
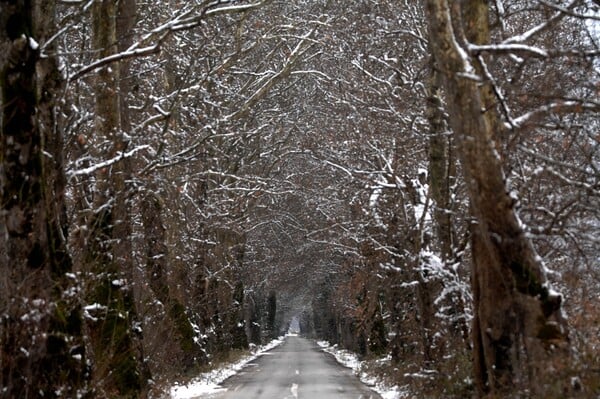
(210, 382)
(350, 360)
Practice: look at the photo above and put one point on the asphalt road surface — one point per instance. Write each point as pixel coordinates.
(297, 369)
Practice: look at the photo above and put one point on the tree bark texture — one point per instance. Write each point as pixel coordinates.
(517, 318)
(40, 332)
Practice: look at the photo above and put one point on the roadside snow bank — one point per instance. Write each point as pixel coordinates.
(350, 360)
(210, 382)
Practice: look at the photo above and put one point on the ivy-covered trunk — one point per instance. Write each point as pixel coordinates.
(40, 332)
(517, 319)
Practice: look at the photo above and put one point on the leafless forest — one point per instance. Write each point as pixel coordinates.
(417, 181)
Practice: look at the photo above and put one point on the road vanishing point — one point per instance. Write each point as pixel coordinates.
(296, 369)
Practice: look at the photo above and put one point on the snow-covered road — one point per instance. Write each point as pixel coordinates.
(296, 369)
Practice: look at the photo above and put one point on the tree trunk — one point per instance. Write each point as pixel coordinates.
(157, 256)
(238, 333)
(442, 174)
(440, 166)
(271, 329)
(119, 369)
(41, 340)
(122, 176)
(516, 314)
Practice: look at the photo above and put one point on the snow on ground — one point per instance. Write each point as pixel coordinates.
(209, 383)
(350, 360)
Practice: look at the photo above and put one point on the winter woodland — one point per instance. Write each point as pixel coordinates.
(415, 181)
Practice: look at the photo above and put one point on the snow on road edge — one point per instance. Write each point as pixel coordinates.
(350, 360)
(210, 382)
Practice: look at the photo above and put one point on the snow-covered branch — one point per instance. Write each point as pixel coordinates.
(590, 189)
(181, 22)
(115, 58)
(523, 49)
(549, 23)
(508, 48)
(555, 107)
(193, 21)
(295, 54)
(104, 164)
(567, 10)
(235, 9)
(312, 72)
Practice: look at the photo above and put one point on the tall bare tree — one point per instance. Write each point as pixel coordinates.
(119, 368)
(41, 347)
(516, 312)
